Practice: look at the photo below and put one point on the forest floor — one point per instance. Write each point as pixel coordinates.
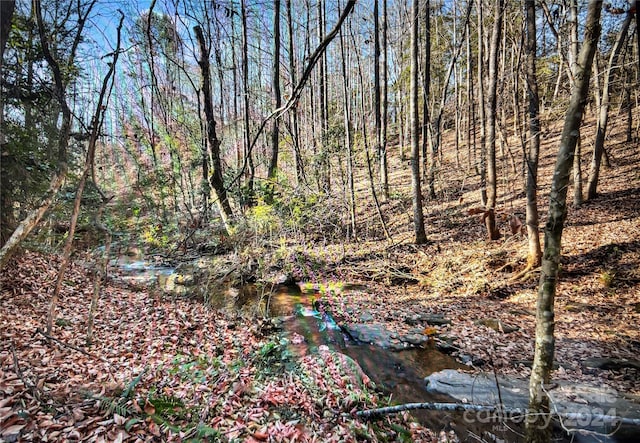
(166, 369)
(169, 369)
(470, 280)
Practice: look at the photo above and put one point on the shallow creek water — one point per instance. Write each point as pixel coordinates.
(398, 374)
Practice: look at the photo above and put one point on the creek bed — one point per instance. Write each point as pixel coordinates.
(399, 374)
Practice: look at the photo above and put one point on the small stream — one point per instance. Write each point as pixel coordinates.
(398, 374)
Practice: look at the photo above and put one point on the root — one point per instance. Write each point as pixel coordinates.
(507, 266)
(525, 274)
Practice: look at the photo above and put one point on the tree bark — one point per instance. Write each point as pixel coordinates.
(215, 180)
(295, 131)
(325, 164)
(492, 97)
(384, 168)
(534, 256)
(426, 116)
(572, 61)
(348, 138)
(96, 125)
(418, 216)
(636, 7)
(277, 101)
(248, 155)
(537, 431)
(603, 114)
(482, 105)
(377, 106)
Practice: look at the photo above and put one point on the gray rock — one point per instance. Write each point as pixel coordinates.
(366, 317)
(373, 333)
(415, 339)
(435, 319)
(445, 347)
(497, 325)
(610, 363)
(567, 397)
(430, 319)
(413, 319)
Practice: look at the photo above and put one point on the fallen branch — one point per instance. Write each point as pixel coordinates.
(26, 382)
(499, 411)
(76, 348)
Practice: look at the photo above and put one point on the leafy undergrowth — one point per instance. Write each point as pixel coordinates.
(166, 370)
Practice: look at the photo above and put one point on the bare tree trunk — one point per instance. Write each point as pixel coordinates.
(492, 96)
(325, 164)
(537, 426)
(277, 101)
(482, 106)
(402, 113)
(236, 113)
(377, 108)
(426, 116)
(295, 131)
(534, 256)
(603, 114)
(577, 175)
(628, 108)
(365, 139)
(418, 216)
(384, 168)
(636, 7)
(248, 156)
(471, 118)
(572, 61)
(101, 272)
(96, 125)
(348, 138)
(215, 180)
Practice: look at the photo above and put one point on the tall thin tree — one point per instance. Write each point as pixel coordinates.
(491, 116)
(603, 110)
(295, 130)
(96, 125)
(426, 115)
(416, 190)
(215, 176)
(377, 109)
(538, 430)
(248, 155)
(277, 101)
(535, 253)
(384, 169)
(348, 134)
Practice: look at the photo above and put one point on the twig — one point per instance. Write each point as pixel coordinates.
(378, 412)
(574, 430)
(16, 367)
(76, 348)
(499, 410)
